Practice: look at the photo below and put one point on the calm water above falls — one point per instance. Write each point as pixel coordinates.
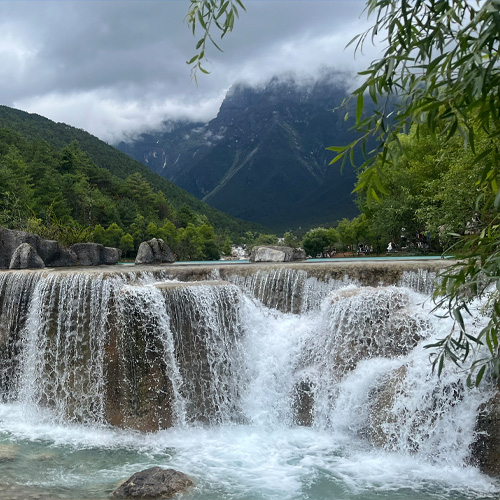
(349, 362)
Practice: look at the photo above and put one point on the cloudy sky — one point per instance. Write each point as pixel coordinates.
(118, 67)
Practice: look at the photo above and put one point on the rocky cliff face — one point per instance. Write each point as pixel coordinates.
(263, 157)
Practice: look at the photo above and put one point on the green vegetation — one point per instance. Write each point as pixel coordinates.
(36, 128)
(440, 71)
(440, 67)
(210, 15)
(60, 191)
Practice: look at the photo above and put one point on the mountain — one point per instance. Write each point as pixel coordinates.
(263, 157)
(35, 127)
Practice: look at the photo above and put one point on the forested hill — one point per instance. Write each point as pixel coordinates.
(34, 128)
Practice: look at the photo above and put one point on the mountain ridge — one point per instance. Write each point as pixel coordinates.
(263, 157)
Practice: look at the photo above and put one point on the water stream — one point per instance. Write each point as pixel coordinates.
(269, 387)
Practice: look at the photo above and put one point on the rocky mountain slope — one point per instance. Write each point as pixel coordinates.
(263, 157)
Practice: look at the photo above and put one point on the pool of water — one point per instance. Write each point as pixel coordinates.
(332, 260)
(45, 461)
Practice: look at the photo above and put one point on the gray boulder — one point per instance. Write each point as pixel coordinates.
(88, 254)
(276, 254)
(154, 251)
(486, 448)
(153, 483)
(49, 251)
(95, 254)
(110, 255)
(10, 240)
(25, 256)
(64, 257)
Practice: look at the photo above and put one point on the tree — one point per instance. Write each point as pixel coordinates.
(126, 244)
(316, 240)
(440, 69)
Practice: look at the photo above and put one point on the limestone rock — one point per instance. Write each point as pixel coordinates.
(486, 448)
(111, 255)
(276, 254)
(303, 403)
(95, 254)
(88, 254)
(51, 254)
(154, 251)
(370, 322)
(64, 257)
(10, 240)
(153, 483)
(25, 256)
(380, 403)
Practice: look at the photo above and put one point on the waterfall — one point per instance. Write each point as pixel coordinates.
(63, 347)
(280, 356)
(206, 319)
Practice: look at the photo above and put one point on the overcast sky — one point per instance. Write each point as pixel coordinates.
(118, 67)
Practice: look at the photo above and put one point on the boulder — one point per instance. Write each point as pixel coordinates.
(154, 251)
(10, 240)
(95, 254)
(88, 254)
(25, 256)
(49, 251)
(153, 483)
(276, 254)
(380, 402)
(485, 450)
(64, 257)
(303, 403)
(111, 255)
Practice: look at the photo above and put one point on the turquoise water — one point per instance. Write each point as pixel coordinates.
(332, 260)
(227, 463)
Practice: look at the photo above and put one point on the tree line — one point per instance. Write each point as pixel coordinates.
(62, 194)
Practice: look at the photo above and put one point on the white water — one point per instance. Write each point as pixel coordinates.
(250, 448)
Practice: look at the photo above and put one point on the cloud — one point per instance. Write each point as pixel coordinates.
(114, 119)
(116, 68)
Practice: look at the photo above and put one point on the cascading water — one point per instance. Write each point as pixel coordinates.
(324, 392)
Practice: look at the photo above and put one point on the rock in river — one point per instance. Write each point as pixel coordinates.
(153, 483)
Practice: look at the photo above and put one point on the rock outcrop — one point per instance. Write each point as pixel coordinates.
(486, 448)
(22, 250)
(153, 483)
(276, 254)
(95, 254)
(154, 251)
(25, 256)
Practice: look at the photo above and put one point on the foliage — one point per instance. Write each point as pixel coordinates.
(431, 191)
(440, 67)
(352, 232)
(316, 240)
(105, 168)
(208, 14)
(290, 240)
(262, 239)
(63, 195)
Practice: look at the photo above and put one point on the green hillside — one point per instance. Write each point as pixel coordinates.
(62, 183)
(38, 128)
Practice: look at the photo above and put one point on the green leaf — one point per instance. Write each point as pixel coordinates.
(480, 374)
(359, 107)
